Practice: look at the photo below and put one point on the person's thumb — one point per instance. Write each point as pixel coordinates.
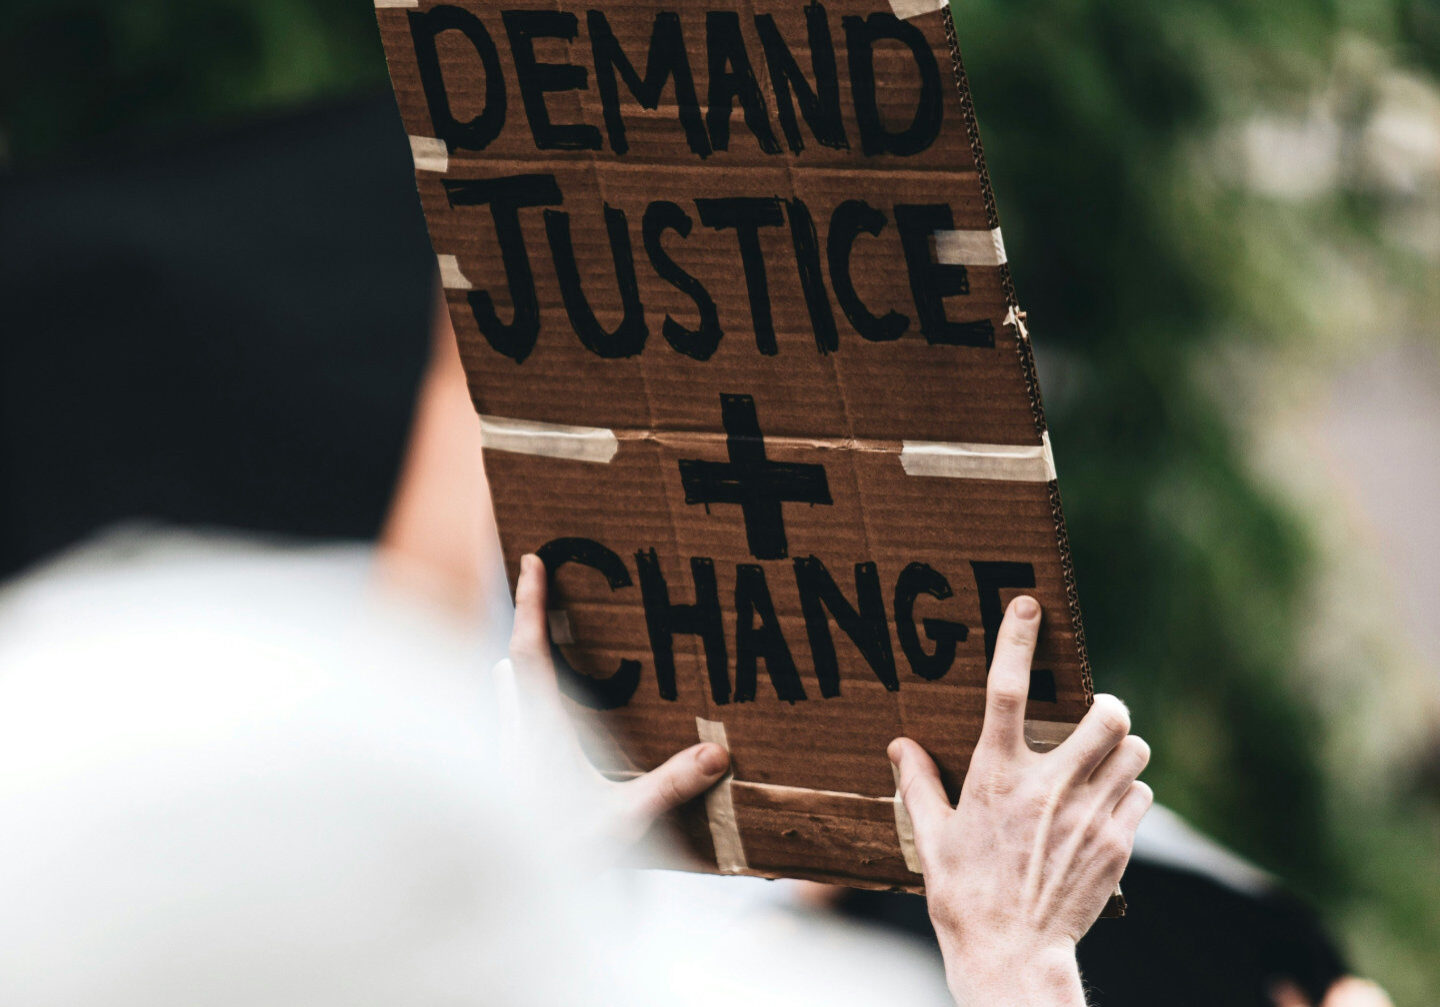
(918, 781)
(684, 776)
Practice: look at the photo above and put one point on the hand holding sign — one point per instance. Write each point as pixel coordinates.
(1016, 873)
(637, 803)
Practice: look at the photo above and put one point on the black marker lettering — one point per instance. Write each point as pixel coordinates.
(664, 620)
(506, 197)
(990, 579)
(861, 34)
(820, 106)
(764, 642)
(915, 580)
(630, 333)
(931, 281)
(807, 260)
(758, 485)
(849, 219)
(732, 77)
(667, 59)
(697, 344)
(746, 215)
(536, 78)
(866, 626)
(596, 693)
(476, 133)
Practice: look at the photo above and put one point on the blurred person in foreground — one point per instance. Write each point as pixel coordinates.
(238, 774)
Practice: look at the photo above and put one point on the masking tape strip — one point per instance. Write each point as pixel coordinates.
(1006, 462)
(1016, 317)
(904, 828)
(1040, 735)
(451, 276)
(380, 4)
(1043, 735)
(549, 440)
(430, 154)
(720, 807)
(970, 248)
(906, 9)
(560, 631)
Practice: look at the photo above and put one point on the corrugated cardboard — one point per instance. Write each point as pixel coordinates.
(790, 501)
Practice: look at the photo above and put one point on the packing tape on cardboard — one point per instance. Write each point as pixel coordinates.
(451, 276)
(970, 248)
(381, 4)
(1016, 317)
(720, 807)
(430, 154)
(549, 440)
(1004, 462)
(906, 9)
(560, 632)
(904, 828)
(1043, 735)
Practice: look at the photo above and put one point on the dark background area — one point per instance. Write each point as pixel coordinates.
(223, 328)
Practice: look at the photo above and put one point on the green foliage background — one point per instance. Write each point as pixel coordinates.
(1140, 265)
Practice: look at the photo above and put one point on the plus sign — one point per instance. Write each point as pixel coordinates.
(753, 481)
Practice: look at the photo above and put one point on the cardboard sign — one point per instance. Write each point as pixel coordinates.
(731, 293)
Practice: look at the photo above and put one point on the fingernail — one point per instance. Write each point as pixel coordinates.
(712, 759)
(1026, 607)
(894, 751)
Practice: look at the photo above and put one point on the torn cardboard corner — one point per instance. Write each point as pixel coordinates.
(736, 312)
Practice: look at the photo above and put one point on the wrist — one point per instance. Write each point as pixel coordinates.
(1002, 977)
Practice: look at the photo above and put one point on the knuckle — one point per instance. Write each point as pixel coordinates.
(1112, 849)
(668, 791)
(1044, 801)
(994, 782)
(673, 794)
(1021, 636)
(1006, 701)
(1115, 846)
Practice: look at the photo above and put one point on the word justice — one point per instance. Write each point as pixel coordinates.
(930, 281)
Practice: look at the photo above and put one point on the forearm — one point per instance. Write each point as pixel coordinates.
(1051, 979)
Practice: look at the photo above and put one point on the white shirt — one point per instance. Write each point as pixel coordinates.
(231, 774)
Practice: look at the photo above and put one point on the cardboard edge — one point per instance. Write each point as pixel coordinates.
(1026, 353)
(1115, 907)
